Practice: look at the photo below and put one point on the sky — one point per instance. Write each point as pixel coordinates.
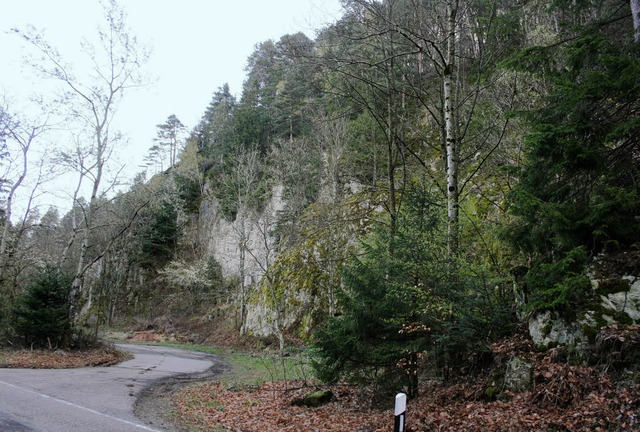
(196, 45)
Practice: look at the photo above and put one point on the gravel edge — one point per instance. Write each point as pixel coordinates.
(154, 404)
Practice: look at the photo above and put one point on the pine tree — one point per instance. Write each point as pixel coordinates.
(168, 139)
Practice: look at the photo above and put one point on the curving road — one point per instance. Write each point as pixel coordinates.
(96, 399)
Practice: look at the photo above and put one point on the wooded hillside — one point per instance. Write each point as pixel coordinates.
(420, 181)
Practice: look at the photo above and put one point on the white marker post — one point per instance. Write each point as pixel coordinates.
(400, 412)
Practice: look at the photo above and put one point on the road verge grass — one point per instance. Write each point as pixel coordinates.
(253, 368)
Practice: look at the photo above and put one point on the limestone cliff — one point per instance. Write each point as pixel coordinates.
(245, 248)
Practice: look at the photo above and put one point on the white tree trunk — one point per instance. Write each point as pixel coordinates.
(635, 11)
(450, 129)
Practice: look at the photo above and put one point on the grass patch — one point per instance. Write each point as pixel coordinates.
(253, 368)
(256, 368)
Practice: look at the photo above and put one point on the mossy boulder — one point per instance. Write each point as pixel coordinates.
(519, 375)
(314, 399)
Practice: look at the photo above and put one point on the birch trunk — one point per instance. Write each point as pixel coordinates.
(449, 129)
(635, 11)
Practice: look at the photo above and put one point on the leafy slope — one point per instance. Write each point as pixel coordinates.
(43, 359)
(596, 407)
(564, 397)
(269, 408)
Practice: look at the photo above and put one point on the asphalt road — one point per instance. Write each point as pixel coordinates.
(96, 399)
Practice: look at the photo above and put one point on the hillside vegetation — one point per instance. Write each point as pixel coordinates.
(420, 185)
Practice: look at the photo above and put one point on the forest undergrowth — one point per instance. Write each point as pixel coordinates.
(563, 397)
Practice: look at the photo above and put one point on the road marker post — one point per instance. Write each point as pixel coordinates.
(400, 412)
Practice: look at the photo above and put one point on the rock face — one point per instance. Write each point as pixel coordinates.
(244, 246)
(548, 328)
(624, 302)
(264, 320)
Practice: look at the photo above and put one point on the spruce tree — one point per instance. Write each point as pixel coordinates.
(41, 316)
(385, 303)
(400, 303)
(578, 193)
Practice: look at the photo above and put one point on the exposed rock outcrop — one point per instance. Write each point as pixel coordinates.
(616, 299)
(244, 246)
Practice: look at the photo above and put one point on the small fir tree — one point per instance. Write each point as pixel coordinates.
(42, 314)
(386, 304)
(400, 302)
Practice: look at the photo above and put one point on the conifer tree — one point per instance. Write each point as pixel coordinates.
(578, 193)
(396, 305)
(41, 316)
(386, 304)
(168, 139)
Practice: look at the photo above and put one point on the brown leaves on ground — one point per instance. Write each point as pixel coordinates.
(439, 408)
(46, 359)
(564, 397)
(147, 336)
(592, 407)
(269, 408)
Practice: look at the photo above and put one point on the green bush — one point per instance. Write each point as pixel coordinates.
(42, 314)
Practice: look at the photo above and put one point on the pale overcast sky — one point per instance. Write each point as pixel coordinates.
(197, 46)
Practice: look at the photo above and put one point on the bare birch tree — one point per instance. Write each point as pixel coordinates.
(115, 63)
(451, 58)
(22, 134)
(450, 123)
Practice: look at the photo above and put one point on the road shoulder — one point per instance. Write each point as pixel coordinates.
(154, 403)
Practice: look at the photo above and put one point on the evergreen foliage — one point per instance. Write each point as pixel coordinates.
(158, 239)
(399, 301)
(42, 313)
(560, 285)
(578, 193)
(188, 191)
(215, 134)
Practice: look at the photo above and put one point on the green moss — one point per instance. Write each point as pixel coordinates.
(552, 344)
(315, 399)
(622, 318)
(490, 393)
(613, 285)
(494, 384)
(305, 326)
(546, 329)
